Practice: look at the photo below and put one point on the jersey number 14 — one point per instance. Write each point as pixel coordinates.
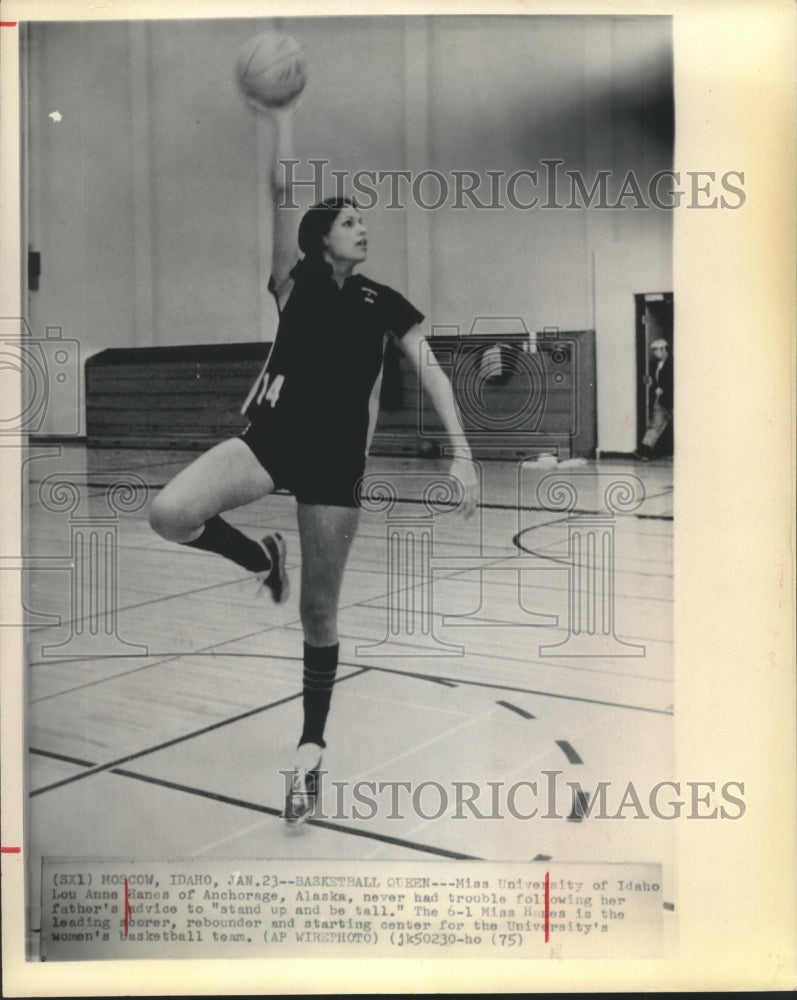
(273, 394)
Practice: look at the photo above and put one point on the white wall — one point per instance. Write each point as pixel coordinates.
(149, 207)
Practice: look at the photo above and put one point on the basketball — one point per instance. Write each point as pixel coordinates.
(271, 68)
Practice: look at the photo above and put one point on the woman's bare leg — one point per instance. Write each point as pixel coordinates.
(188, 509)
(326, 535)
(225, 477)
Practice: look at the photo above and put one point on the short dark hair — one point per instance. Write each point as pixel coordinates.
(317, 222)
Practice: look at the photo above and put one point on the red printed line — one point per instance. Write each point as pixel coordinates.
(128, 911)
(8, 24)
(547, 906)
(10, 850)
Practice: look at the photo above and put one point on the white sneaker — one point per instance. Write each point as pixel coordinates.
(301, 798)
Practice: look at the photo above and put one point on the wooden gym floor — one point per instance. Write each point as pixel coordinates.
(165, 693)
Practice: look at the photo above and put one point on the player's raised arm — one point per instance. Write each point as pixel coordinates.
(285, 251)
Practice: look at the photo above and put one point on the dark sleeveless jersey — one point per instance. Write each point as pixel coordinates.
(315, 389)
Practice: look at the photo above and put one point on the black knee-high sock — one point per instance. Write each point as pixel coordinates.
(220, 537)
(320, 665)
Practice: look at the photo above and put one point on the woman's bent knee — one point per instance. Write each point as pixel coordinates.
(319, 622)
(171, 520)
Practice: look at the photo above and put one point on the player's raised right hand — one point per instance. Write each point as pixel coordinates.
(285, 111)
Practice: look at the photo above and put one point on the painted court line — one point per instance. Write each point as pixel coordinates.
(111, 765)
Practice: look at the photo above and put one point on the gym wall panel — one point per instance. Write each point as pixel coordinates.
(205, 252)
(506, 93)
(80, 204)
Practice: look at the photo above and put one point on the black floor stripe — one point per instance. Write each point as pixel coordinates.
(459, 681)
(566, 561)
(514, 708)
(506, 565)
(569, 752)
(417, 652)
(432, 678)
(533, 508)
(100, 768)
(410, 651)
(128, 486)
(212, 653)
(64, 758)
(326, 824)
(128, 467)
(545, 510)
(580, 806)
(269, 810)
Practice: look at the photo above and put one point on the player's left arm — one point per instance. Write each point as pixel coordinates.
(373, 408)
(436, 385)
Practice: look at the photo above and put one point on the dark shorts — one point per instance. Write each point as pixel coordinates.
(313, 472)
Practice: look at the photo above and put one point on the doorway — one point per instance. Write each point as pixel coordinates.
(654, 321)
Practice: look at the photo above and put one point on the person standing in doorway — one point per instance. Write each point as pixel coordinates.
(661, 414)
